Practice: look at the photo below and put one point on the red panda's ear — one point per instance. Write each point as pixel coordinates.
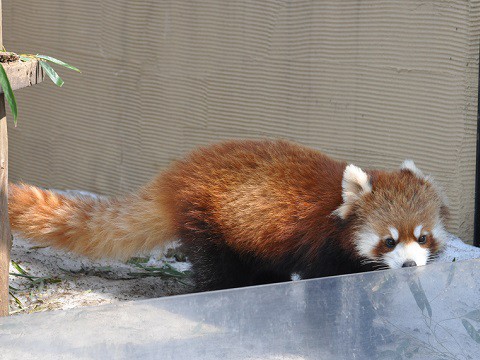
(355, 184)
(409, 165)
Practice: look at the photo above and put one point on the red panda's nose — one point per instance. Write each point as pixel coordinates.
(409, 263)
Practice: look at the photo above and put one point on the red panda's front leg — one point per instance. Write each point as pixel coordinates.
(215, 266)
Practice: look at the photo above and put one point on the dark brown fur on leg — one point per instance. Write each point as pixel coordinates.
(218, 267)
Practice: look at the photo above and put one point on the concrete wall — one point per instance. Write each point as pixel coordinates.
(372, 82)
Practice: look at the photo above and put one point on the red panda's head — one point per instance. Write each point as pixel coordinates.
(397, 217)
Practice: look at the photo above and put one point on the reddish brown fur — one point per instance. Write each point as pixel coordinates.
(93, 227)
(402, 201)
(268, 201)
(247, 211)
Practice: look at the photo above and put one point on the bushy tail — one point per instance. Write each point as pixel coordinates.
(95, 227)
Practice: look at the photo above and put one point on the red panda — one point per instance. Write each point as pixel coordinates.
(252, 212)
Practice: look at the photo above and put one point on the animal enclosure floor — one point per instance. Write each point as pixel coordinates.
(54, 279)
(48, 279)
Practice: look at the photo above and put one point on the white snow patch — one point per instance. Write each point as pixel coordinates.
(456, 249)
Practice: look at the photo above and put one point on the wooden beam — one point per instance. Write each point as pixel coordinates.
(22, 74)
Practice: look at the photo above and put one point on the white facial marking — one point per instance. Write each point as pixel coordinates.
(394, 233)
(402, 253)
(440, 234)
(366, 242)
(418, 231)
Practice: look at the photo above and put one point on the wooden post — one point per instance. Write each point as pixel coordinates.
(5, 235)
(21, 74)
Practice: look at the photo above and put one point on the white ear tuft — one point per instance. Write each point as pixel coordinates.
(410, 166)
(355, 183)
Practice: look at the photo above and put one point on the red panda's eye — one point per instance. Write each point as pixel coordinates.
(422, 239)
(390, 242)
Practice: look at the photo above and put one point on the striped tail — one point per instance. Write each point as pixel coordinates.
(95, 227)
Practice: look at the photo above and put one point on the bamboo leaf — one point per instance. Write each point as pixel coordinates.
(18, 267)
(474, 334)
(36, 247)
(56, 61)
(420, 296)
(26, 57)
(450, 275)
(166, 270)
(57, 80)
(425, 299)
(29, 277)
(137, 260)
(9, 96)
(19, 303)
(416, 294)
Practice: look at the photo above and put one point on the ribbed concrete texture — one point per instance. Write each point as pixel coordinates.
(372, 82)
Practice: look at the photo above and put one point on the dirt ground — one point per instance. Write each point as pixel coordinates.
(48, 279)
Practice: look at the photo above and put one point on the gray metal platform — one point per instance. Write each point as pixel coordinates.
(432, 312)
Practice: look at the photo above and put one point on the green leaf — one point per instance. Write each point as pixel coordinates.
(137, 260)
(36, 247)
(24, 58)
(474, 334)
(56, 61)
(166, 270)
(57, 80)
(19, 303)
(9, 96)
(18, 267)
(29, 277)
